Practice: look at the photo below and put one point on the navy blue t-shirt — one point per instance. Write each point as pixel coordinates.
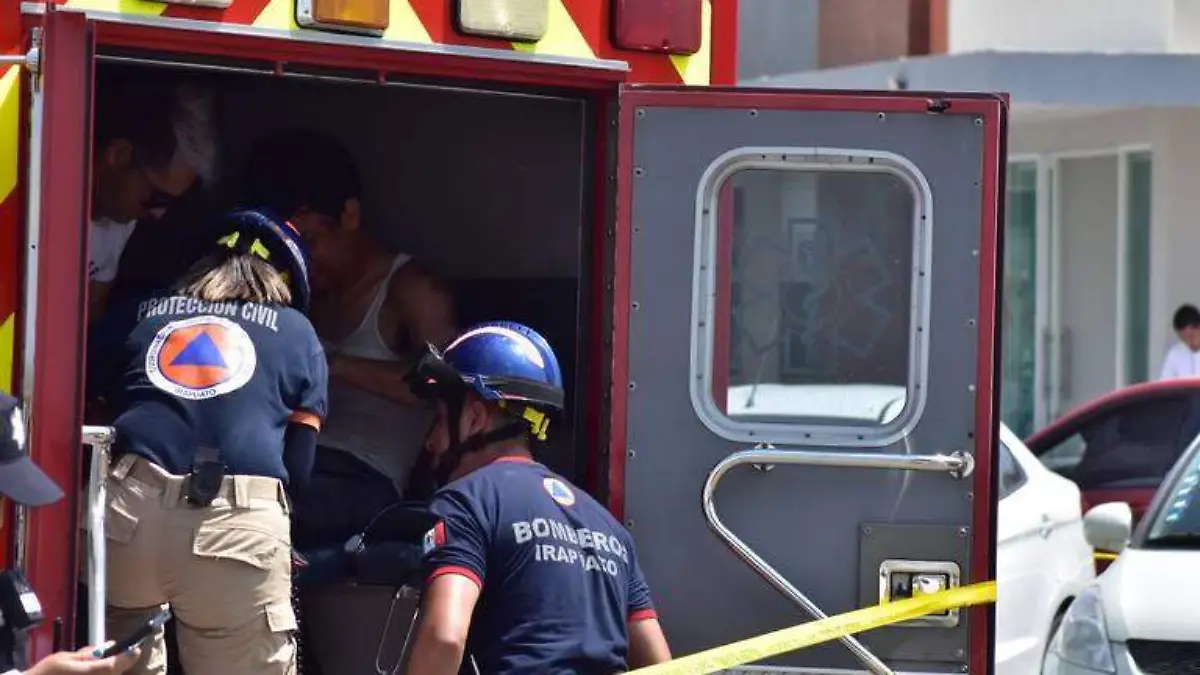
(558, 575)
(224, 375)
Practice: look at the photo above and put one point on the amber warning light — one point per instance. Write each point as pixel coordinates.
(355, 16)
(517, 20)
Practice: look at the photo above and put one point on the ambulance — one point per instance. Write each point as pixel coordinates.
(777, 310)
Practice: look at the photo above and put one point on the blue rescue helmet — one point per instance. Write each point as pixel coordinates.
(501, 361)
(263, 233)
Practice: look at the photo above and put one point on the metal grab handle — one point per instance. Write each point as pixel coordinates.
(100, 439)
(957, 464)
(28, 60)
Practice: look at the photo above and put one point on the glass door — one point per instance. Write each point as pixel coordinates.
(1019, 320)
(1135, 314)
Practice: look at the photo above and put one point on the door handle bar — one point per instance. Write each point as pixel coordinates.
(100, 439)
(957, 464)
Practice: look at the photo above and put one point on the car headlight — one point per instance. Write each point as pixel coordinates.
(1082, 638)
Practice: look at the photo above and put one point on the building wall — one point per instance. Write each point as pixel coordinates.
(1064, 25)
(861, 31)
(787, 36)
(1174, 139)
(776, 36)
(782, 36)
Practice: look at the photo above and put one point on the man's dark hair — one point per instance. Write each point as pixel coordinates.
(1187, 316)
(299, 168)
(136, 105)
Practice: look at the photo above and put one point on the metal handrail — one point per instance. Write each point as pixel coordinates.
(100, 439)
(28, 60)
(957, 464)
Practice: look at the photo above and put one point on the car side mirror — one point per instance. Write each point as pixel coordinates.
(1108, 527)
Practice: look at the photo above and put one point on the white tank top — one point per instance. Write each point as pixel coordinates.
(383, 433)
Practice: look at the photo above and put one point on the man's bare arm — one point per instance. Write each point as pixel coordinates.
(425, 308)
(647, 644)
(425, 313)
(382, 378)
(441, 636)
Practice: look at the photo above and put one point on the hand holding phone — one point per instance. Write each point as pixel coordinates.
(140, 635)
(84, 662)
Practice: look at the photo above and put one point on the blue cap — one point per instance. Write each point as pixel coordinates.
(20, 479)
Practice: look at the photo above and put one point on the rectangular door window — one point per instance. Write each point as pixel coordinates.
(821, 277)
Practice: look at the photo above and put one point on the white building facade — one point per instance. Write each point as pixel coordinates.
(1102, 241)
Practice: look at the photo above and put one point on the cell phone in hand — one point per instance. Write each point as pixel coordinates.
(140, 635)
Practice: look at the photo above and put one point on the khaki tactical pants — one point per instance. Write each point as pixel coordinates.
(225, 570)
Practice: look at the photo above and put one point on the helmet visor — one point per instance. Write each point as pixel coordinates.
(432, 378)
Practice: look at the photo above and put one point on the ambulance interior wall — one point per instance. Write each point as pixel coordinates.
(488, 189)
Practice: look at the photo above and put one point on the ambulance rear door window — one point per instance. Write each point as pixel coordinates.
(816, 295)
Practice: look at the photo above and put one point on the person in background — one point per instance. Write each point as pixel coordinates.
(519, 597)
(153, 144)
(1183, 358)
(24, 483)
(374, 309)
(220, 390)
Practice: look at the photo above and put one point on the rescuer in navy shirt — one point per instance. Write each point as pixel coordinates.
(220, 394)
(230, 375)
(527, 573)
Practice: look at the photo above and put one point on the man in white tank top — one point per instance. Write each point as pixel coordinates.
(373, 309)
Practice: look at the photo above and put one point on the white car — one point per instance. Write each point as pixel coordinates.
(1043, 560)
(1142, 616)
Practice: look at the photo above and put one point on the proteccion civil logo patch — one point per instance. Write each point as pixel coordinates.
(200, 358)
(559, 491)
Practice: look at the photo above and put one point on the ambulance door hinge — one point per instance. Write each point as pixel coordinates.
(937, 105)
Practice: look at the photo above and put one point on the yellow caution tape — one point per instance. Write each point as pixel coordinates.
(816, 632)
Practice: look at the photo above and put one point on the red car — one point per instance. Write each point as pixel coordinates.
(1120, 446)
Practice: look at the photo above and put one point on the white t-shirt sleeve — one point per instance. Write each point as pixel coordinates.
(1168, 371)
(1177, 363)
(107, 241)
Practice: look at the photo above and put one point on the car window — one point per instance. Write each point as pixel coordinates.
(1012, 476)
(1132, 446)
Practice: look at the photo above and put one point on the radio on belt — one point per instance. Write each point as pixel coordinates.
(19, 605)
(203, 484)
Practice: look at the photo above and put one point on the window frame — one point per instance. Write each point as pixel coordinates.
(706, 286)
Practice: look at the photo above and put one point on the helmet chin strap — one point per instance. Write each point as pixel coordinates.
(453, 455)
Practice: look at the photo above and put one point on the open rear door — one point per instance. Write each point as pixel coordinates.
(807, 420)
(52, 313)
